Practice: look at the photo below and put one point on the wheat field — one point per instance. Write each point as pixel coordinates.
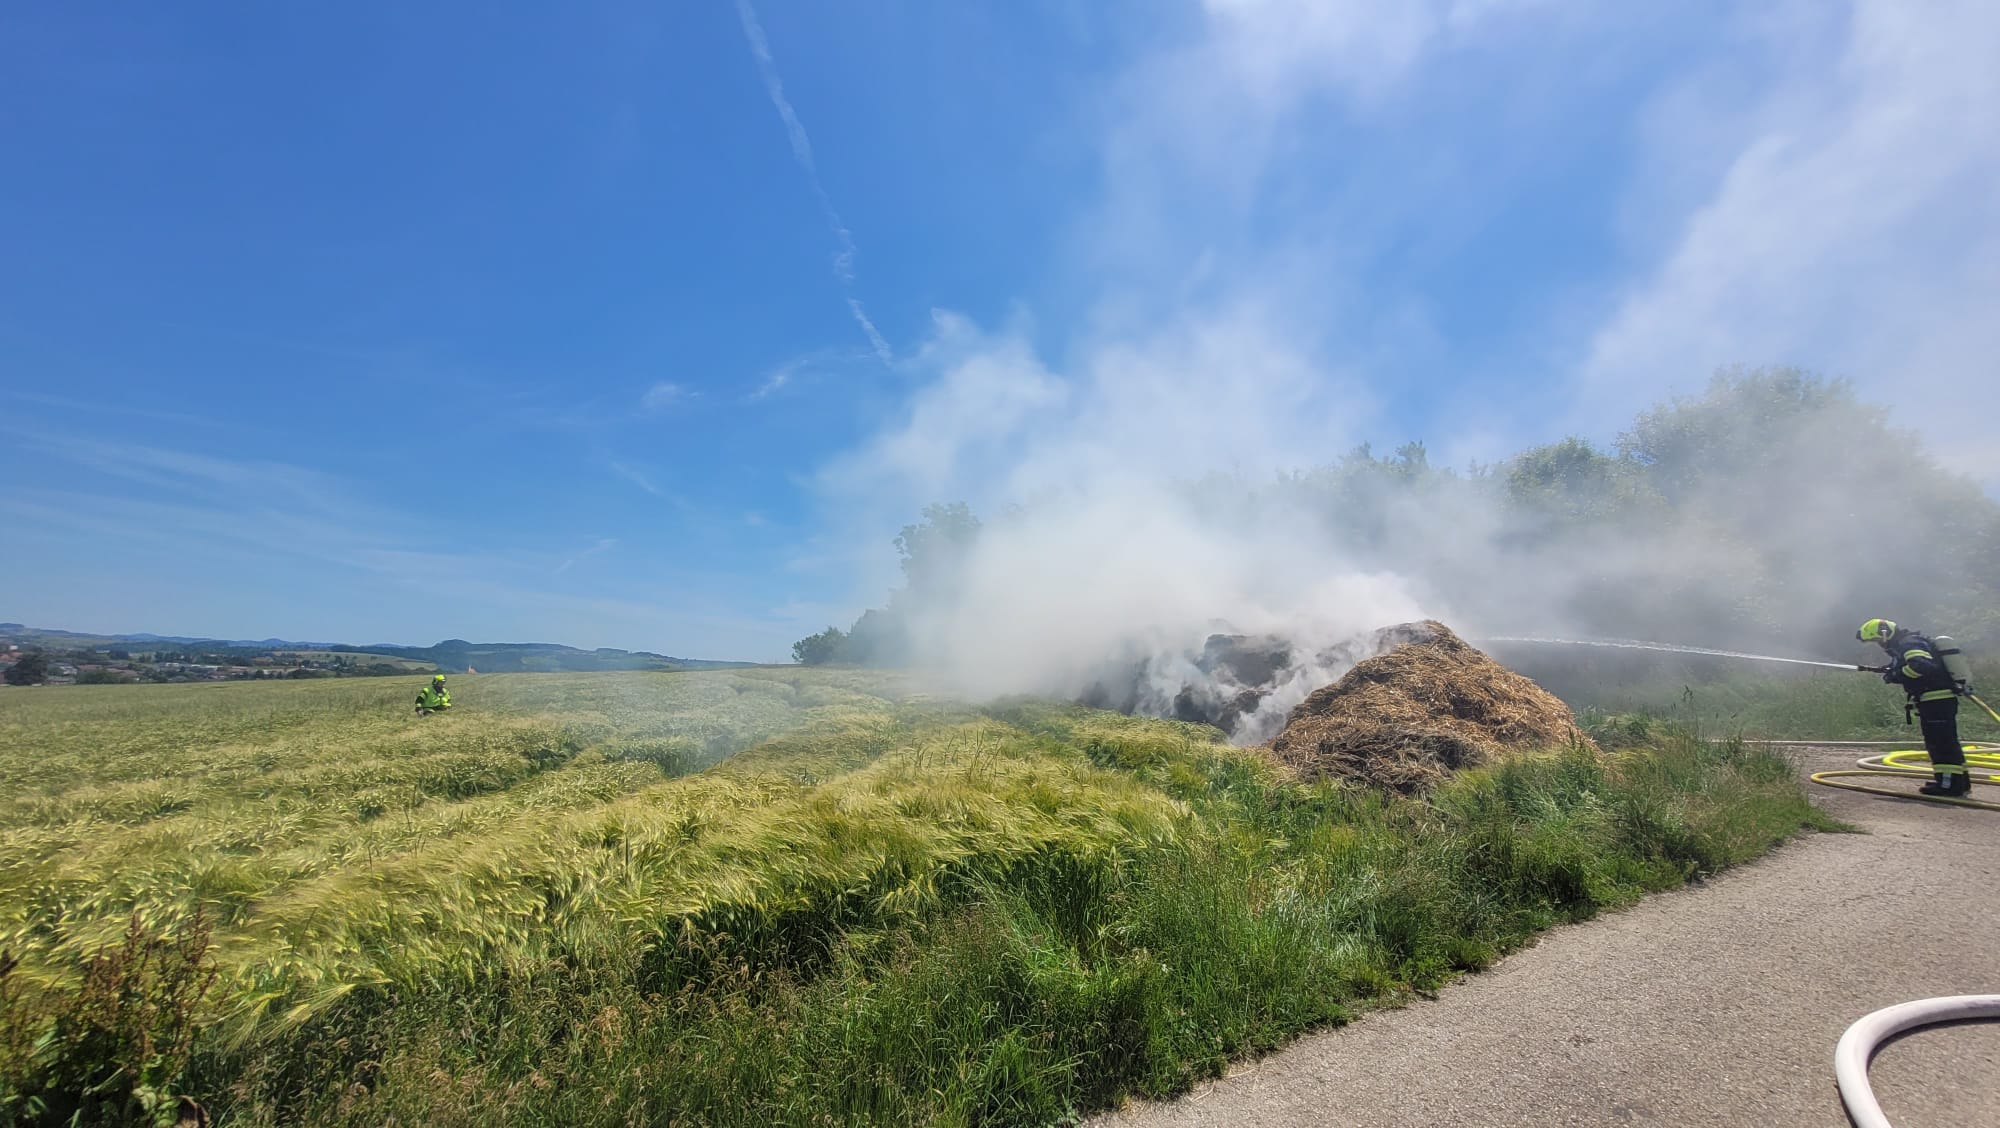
(751, 896)
(335, 841)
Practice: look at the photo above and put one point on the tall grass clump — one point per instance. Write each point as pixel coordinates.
(112, 1047)
(867, 907)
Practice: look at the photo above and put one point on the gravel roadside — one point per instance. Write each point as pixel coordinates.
(1715, 1005)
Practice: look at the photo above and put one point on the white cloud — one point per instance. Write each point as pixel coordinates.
(1277, 49)
(794, 373)
(637, 477)
(1856, 231)
(1231, 389)
(96, 407)
(603, 544)
(1259, 138)
(775, 382)
(987, 392)
(274, 504)
(662, 396)
(263, 511)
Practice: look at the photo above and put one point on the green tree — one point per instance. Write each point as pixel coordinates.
(819, 649)
(934, 553)
(31, 668)
(1572, 480)
(935, 549)
(1818, 508)
(1760, 422)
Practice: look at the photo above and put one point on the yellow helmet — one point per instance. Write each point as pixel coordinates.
(1876, 630)
(438, 678)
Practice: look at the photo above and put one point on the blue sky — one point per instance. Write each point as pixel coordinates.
(648, 325)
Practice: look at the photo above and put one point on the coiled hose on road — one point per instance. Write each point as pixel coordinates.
(1907, 763)
(1910, 763)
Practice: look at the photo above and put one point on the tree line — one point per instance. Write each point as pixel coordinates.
(1776, 509)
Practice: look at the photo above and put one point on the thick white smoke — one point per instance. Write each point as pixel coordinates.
(1133, 482)
(1100, 553)
(1077, 590)
(1158, 494)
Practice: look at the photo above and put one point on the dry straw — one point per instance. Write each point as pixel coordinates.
(1433, 704)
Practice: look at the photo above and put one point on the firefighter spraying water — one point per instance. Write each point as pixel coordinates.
(1933, 673)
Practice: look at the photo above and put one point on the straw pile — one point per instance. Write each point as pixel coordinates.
(1429, 706)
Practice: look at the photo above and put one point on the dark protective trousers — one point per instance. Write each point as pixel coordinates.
(1939, 721)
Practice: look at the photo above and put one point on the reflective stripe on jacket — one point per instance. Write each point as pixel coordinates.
(1915, 665)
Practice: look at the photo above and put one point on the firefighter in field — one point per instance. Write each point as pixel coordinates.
(433, 698)
(1919, 665)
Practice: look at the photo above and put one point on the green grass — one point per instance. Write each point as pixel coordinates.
(1756, 704)
(761, 896)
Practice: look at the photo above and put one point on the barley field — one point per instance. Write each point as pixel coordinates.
(746, 896)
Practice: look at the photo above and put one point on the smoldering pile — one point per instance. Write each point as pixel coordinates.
(1398, 708)
(1243, 684)
(1429, 705)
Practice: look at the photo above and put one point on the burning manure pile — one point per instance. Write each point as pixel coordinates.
(1427, 705)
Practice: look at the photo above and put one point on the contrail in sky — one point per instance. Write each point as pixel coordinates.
(843, 259)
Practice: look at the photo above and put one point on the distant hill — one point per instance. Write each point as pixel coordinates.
(534, 657)
(451, 654)
(51, 637)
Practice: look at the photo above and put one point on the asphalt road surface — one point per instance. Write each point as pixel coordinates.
(1715, 1005)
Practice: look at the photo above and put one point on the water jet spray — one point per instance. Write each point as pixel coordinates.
(1671, 648)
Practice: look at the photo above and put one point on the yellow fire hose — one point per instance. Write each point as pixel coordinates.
(1983, 705)
(1914, 764)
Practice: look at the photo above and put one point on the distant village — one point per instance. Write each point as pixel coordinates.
(112, 665)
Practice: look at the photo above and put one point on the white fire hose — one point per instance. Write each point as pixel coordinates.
(1850, 1057)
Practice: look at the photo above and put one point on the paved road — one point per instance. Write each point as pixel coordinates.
(1716, 1005)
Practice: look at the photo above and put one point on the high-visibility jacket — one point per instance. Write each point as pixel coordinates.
(434, 697)
(1914, 665)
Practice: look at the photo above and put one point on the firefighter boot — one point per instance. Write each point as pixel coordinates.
(1949, 785)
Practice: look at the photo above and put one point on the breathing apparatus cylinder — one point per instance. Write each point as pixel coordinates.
(1954, 661)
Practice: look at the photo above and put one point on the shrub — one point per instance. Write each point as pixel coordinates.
(819, 649)
(31, 668)
(113, 1048)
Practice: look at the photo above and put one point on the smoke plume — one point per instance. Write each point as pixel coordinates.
(1182, 526)
(1188, 463)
